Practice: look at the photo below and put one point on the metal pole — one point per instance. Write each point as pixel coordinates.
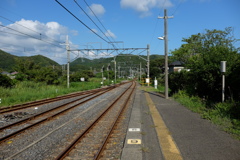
(148, 62)
(223, 87)
(140, 72)
(115, 70)
(102, 74)
(166, 52)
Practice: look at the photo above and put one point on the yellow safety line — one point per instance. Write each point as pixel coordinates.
(169, 148)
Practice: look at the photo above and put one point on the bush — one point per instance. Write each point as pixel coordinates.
(5, 81)
(178, 81)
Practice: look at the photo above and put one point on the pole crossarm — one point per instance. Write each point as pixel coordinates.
(110, 49)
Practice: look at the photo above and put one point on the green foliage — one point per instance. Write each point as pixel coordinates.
(106, 74)
(8, 61)
(202, 55)
(47, 75)
(28, 70)
(179, 81)
(194, 103)
(222, 114)
(27, 91)
(5, 81)
(77, 76)
(156, 68)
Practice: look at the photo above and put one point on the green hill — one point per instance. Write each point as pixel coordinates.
(123, 60)
(8, 61)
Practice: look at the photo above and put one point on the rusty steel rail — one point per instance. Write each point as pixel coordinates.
(100, 151)
(47, 118)
(45, 101)
(70, 147)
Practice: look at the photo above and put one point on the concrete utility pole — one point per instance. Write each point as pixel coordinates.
(68, 63)
(166, 50)
(148, 62)
(140, 72)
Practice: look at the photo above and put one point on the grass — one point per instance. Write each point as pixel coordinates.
(144, 149)
(30, 91)
(151, 88)
(219, 114)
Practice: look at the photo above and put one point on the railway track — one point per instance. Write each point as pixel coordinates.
(62, 124)
(39, 118)
(105, 125)
(50, 100)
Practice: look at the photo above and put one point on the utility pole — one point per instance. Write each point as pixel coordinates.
(166, 49)
(140, 72)
(68, 56)
(148, 63)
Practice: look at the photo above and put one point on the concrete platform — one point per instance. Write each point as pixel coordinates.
(159, 128)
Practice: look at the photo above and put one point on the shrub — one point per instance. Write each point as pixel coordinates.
(5, 81)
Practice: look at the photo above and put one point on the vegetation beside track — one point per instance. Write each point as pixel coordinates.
(219, 114)
(27, 91)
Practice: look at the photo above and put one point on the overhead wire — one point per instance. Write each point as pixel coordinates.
(27, 35)
(179, 4)
(40, 34)
(97, 18)
(91, 18)
(80, 21)
(30, 36)
(24, 34)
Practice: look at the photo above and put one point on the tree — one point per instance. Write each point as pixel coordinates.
(156, 68)
(5, 81)
(28, 70)
(202, 55)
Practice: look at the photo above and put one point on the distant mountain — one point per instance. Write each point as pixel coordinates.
(8, 61)
(123, 60)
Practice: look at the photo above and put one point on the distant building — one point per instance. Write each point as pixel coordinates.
(5, 73)
(176, 66)
(11, 75)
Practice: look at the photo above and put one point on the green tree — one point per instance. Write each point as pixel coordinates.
(5, 81)
(202, 54)
(156, 68)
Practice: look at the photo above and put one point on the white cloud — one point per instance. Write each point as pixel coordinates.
(144, 6)
(110, 34)
(98, 10)
(35, 38)
(94, 30)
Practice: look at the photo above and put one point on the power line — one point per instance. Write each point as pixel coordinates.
(30, 36)
(97, 19)
(40, 34)
(180, 2)
(80, 21)
(91, 18)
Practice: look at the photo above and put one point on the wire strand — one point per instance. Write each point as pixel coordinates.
(80, 21)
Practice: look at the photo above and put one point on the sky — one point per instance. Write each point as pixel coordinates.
(33, 27)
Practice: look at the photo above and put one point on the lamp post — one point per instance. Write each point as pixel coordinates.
(165, 38)
(166, 66)
(223, 70)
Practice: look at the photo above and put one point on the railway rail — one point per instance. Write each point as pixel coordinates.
(108, 120)
(56, 111)
(49, 100)
(60, 125)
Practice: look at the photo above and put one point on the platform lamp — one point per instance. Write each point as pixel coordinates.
(223, 70)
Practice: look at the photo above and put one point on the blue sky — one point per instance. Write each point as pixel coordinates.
(133, 22)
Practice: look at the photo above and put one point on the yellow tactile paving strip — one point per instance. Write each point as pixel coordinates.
(168, 146)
